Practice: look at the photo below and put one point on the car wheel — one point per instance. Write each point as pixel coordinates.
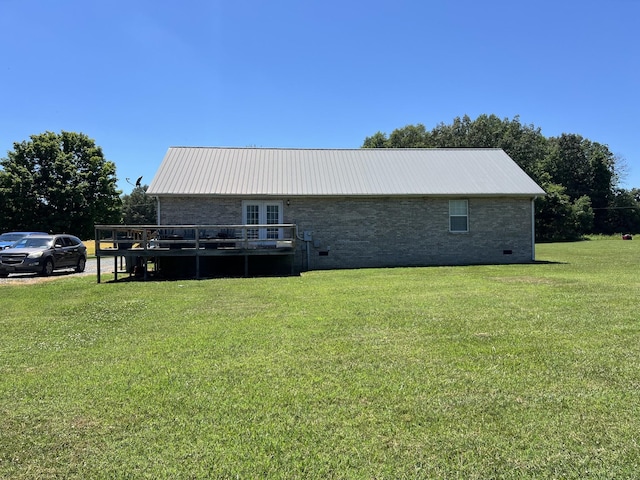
(82, 262)
(47, 268)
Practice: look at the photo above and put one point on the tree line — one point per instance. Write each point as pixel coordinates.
(581, 177)
(63, 182)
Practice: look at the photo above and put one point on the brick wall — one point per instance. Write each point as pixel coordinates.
(200, 211)
(383, 232)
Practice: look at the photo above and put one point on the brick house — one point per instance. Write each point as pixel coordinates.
(361, 207)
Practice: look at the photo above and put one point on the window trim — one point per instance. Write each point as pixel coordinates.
(453, 214)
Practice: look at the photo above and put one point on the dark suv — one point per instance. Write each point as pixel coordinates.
(43, 254)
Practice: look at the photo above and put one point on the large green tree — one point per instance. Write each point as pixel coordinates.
(560, 219)
(583, 167)
(138, 208)
(60, 183)
(623, 213)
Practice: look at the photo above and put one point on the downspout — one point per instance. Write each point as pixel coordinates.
(158, 211)
(306, 246)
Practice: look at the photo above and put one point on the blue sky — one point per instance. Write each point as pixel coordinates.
(139, 76)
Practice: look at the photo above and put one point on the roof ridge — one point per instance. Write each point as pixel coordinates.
(334, 149)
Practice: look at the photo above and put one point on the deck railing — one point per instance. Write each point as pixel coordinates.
(154, 238)
(141, 244)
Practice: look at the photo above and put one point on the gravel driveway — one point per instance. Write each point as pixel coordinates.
(26, 278)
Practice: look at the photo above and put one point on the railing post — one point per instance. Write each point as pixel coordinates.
(197, 237)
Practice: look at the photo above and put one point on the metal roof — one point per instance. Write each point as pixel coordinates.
(338, 172)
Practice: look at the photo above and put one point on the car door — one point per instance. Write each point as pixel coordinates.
(72, 251)
(59, 252)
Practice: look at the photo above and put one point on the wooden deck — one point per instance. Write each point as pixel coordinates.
(164, 250)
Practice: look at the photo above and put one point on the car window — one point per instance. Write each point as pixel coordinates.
(14, 236)
(28, 242)
(72, 241)
(10, 237)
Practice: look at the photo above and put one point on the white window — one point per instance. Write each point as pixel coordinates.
(458, 215)
(262, 213)
(252, 217)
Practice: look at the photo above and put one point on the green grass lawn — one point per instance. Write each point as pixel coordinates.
(520, 371)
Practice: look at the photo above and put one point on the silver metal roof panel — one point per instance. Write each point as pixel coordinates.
(321, 172)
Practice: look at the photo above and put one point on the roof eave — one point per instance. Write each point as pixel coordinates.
(353, 195)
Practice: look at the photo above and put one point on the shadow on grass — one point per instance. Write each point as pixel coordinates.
(29, 277)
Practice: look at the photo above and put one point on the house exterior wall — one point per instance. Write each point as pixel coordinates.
(359, 232)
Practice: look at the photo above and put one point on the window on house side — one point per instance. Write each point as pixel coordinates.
(458, 215)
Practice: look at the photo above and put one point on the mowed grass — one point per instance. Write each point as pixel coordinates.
(521, 371)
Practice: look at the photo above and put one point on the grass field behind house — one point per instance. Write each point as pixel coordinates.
(520, 371)
(91, 247)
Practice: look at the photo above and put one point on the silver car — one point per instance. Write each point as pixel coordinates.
(43, 254)
(9, 238)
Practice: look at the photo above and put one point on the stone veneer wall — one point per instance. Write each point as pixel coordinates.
(352, 232)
